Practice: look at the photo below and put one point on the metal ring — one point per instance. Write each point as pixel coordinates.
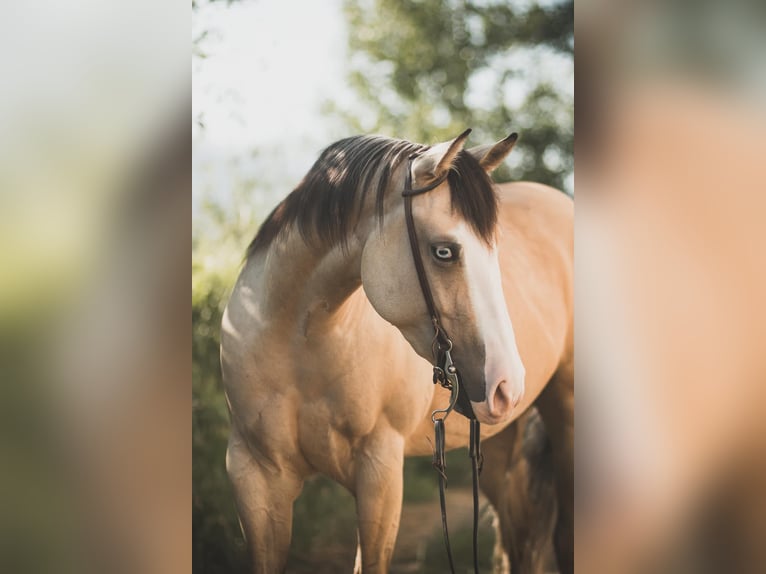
(436, 342)
(449, 343)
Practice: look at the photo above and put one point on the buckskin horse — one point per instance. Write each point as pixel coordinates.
(328, 340)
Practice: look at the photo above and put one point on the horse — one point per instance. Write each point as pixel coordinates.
(326, 341)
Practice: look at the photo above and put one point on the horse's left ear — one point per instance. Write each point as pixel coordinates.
(437, 160)
(490, 156)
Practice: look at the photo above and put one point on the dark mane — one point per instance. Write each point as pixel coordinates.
(326, 204)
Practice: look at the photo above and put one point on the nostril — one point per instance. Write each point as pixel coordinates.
(501, 399)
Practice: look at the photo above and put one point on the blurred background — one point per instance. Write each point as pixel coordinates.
(670, 259)
(276, 82)
(94, 244)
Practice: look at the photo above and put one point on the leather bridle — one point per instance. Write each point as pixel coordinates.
(445, 373)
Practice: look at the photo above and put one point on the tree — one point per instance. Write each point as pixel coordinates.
(426, 69)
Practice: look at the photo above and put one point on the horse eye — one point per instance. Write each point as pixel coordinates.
(444, 253)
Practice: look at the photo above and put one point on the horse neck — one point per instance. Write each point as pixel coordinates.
(305, 284)
(311, 283)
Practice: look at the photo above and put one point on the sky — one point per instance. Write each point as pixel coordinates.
(269, 68)
(260, 87)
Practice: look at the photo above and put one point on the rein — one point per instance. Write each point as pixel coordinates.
(446, 374)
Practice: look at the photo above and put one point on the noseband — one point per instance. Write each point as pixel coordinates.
(445, 373)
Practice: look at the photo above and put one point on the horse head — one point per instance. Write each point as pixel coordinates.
(456, 228)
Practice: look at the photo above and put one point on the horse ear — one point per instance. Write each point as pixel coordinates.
(437, 160)
(490, 156)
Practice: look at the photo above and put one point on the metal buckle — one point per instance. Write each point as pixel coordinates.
(449, 368)
(452, 383)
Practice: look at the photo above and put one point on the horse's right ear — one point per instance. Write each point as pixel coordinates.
(437, 160)
(492, 155)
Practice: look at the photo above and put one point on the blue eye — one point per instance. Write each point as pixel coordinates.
(444, 253)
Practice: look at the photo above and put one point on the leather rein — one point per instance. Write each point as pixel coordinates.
(446, 374)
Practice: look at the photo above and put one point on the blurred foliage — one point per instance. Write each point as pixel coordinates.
(427, 69)
(221, 230)
(420, 478)
(435, 560)
(196, 4)
(216, 540)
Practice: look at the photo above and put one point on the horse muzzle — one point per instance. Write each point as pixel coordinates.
(502, 398)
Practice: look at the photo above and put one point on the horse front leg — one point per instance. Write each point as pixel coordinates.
(264, 493)
(378, 491)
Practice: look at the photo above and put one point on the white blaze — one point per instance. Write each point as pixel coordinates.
(503, 361)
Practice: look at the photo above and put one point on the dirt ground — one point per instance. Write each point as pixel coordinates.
(419, 546)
